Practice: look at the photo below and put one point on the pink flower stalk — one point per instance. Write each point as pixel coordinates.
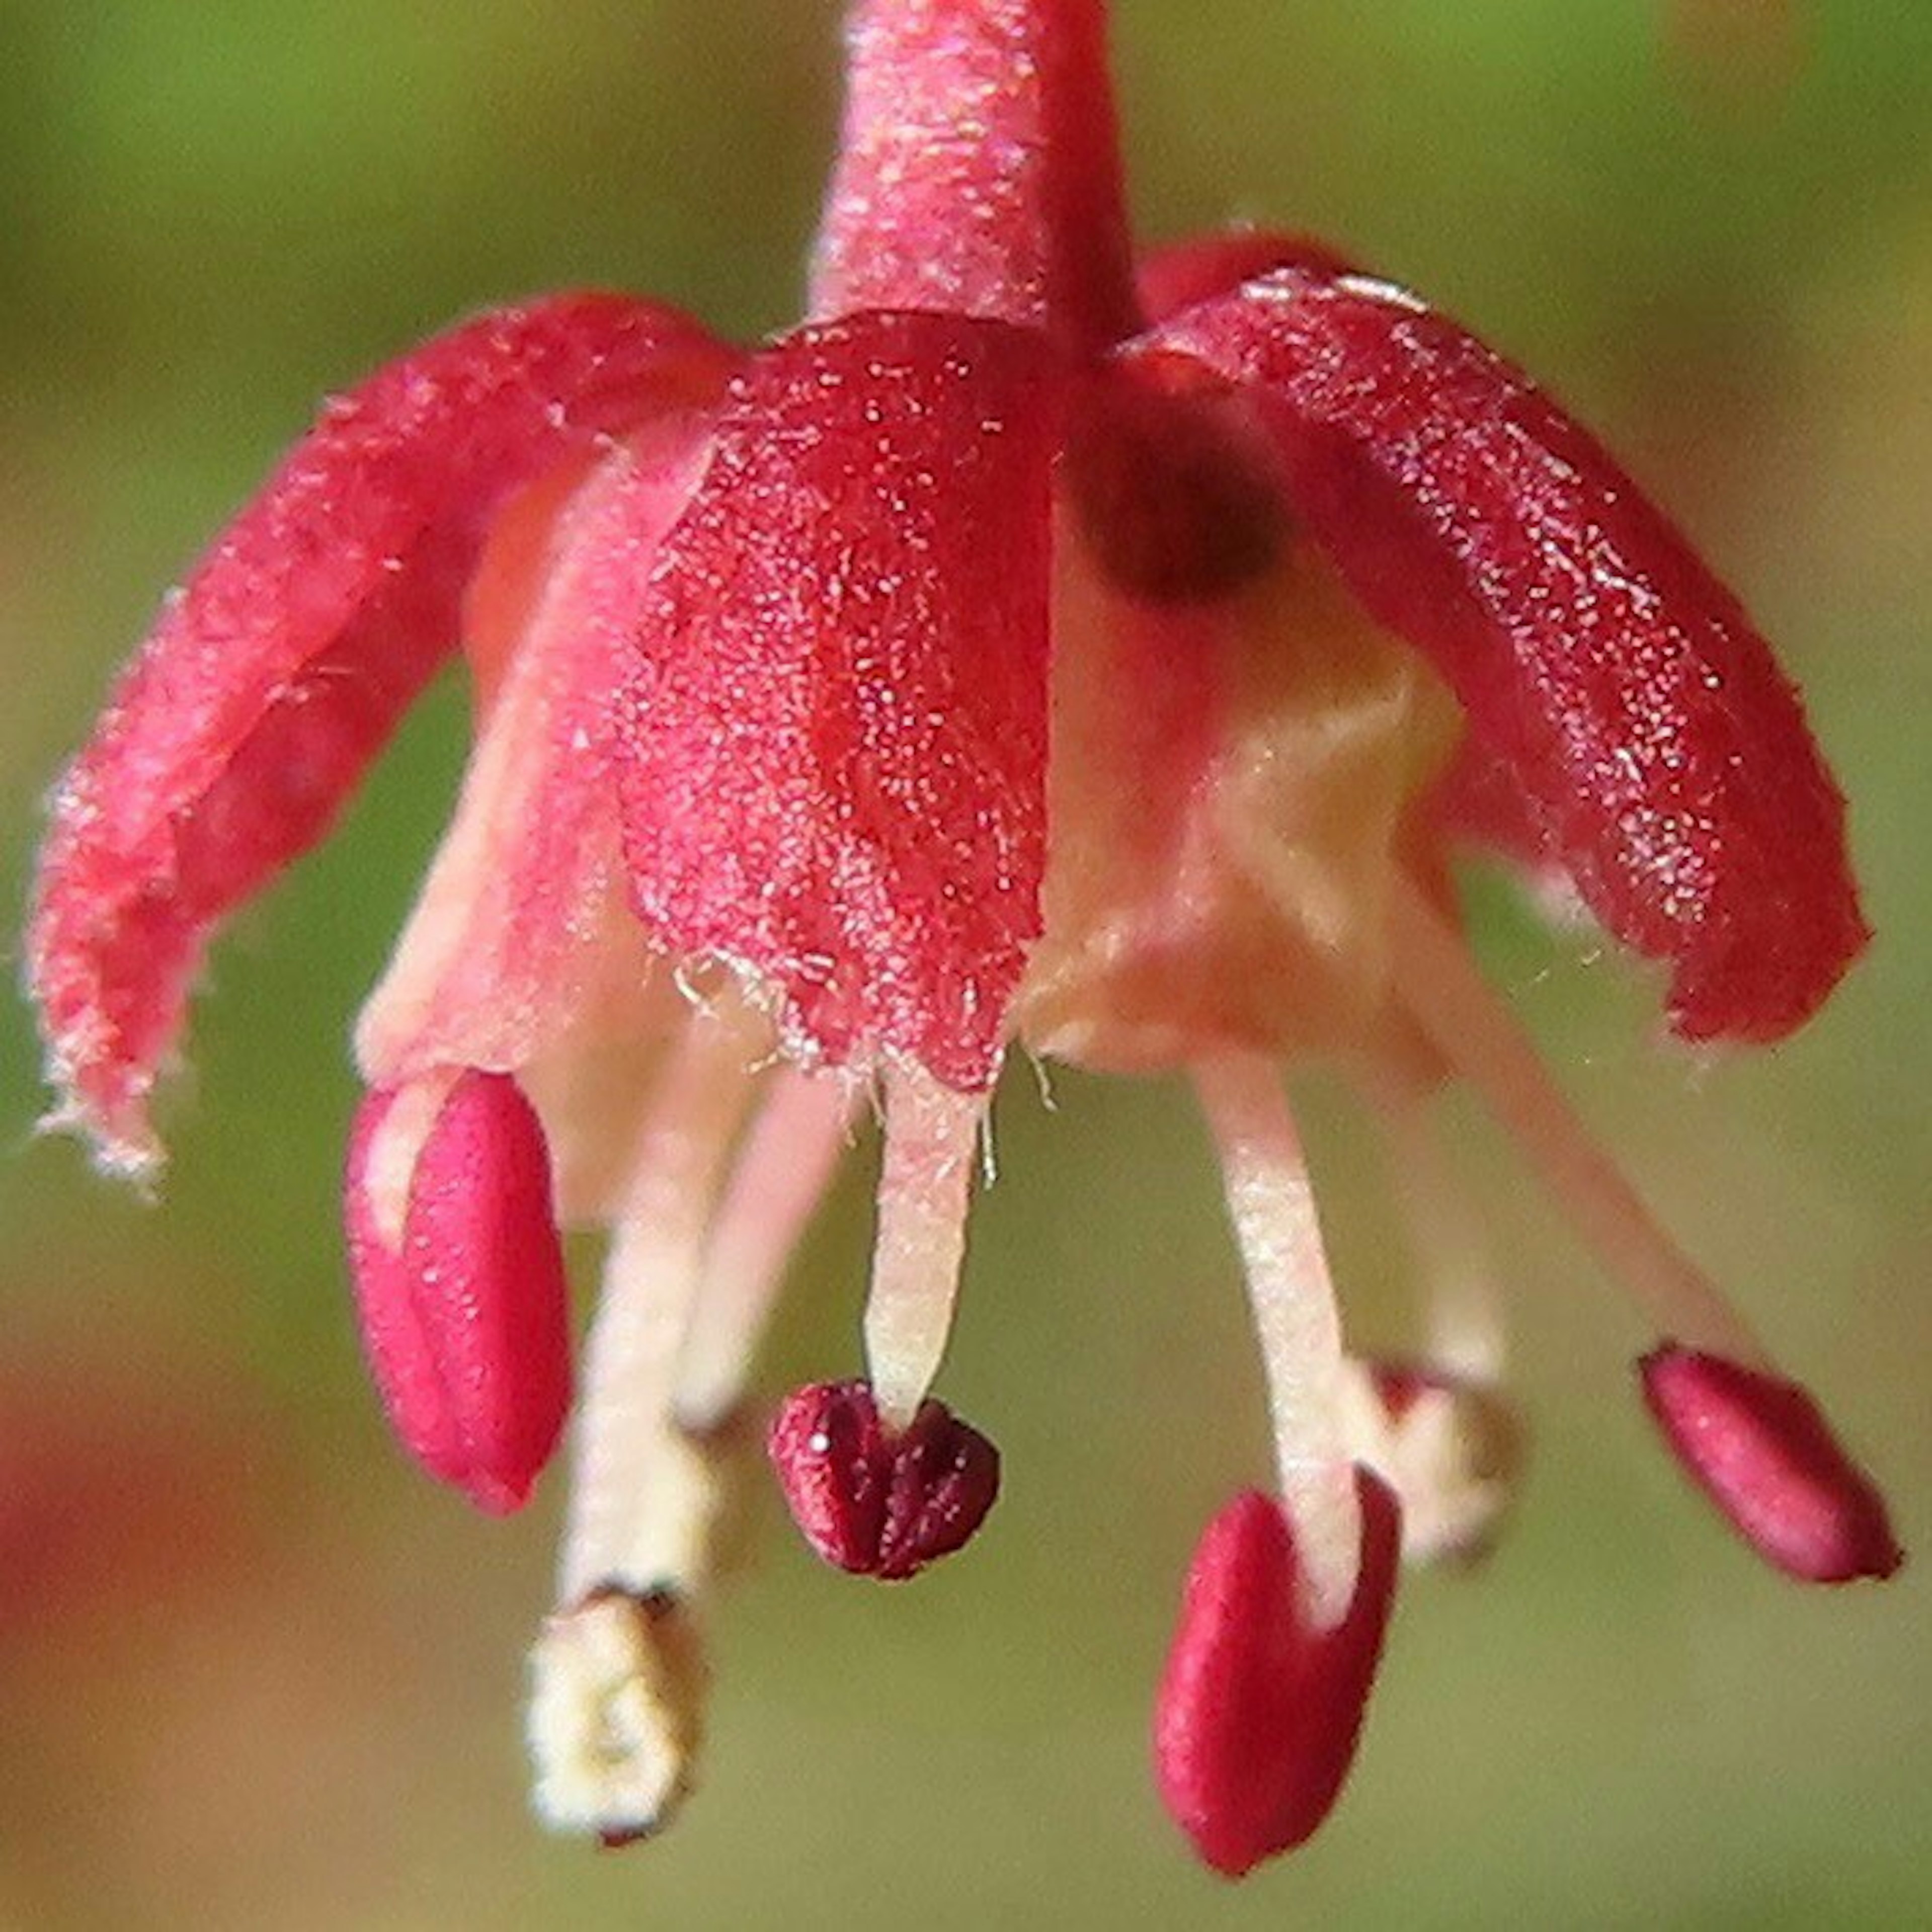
(1031, 648)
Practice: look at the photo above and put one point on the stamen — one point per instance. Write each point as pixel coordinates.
(930, 1132)
(459, 1278)
(878, 1504)
(790, 1153)
(642, 1497)
(1761, 1450)
(1464, 1336)
(1259, 1709)
(1440, 985)
(1272, 1205)
(617, 1679)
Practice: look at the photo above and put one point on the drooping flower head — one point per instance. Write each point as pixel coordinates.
(1037, 647)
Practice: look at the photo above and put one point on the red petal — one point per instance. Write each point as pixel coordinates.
(275, 675)
(835, 738)
(1663, 756)
(1760, 1450)
(979, 171)
(875, 1504)
(463, 1305)
(1258, 1714)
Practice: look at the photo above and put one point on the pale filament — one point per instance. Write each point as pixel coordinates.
(1271, 1203)
(1439, 983)
(1464, 1333)
(641, 1499)
(931, 1135)
(790, 1152)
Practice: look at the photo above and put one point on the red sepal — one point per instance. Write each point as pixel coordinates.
(276, 672)
(1759, 1448)
(875, 1503)
(1199, 267)
(1258, 1714)
(1663, 758)
(464, 1310)
(978, 171)
(833, 747)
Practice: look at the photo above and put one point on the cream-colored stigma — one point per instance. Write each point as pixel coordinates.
(616, 1717)
(1451, 1453)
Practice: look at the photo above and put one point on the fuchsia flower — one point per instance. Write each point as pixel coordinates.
(1026, 650)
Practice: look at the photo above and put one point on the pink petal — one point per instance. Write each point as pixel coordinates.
(835, 737)
(979, 170)
(1660, 751)
(1258, 1713)
(276, 672)
(461, 1296)
(1759, 1448)
(876, 1504)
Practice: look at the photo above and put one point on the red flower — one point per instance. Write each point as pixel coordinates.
(1018, 651)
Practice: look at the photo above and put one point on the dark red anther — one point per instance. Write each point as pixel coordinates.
(1259, 1712)
(874, 1502)
(1759, 1448)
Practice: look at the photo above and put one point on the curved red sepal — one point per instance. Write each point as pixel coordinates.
(1663, 758)
(1258, 1716)
(464, 1307)
(1196, 268)
(278, 669)
(979, 169)
(1760, 1449)
(876, 1504)
(833, 747)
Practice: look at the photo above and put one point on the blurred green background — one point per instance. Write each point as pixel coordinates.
(254, 1672)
